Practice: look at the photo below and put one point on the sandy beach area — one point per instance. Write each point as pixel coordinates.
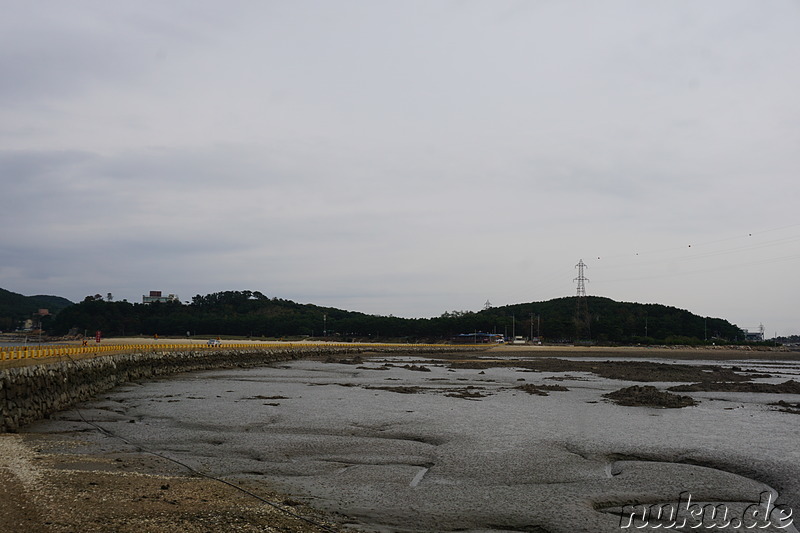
(46, 486)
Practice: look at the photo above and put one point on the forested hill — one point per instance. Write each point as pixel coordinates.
(248, 313)
(614, 321)
(15, 308)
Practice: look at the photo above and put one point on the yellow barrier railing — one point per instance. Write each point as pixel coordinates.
(34, 351)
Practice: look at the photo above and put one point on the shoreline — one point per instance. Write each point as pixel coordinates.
(714, 352)
(52, 484)
(710, 353)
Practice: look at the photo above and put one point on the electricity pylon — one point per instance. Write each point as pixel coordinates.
(582, 320)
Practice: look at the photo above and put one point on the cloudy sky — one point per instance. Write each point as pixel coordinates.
(405, 157)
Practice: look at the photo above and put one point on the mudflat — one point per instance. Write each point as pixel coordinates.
(514, 439)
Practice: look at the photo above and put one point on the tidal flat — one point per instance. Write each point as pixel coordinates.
(498, 442)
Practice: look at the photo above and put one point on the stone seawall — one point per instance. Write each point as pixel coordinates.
(31, 393)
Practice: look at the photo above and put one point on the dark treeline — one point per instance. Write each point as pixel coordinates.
(617, 322)
(16, 308)
(252, 314)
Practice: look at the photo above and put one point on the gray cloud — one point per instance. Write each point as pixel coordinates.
(404, 158)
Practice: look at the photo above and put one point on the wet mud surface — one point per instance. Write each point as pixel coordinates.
(514, 444)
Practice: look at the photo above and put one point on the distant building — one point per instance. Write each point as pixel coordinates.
(155, 296)
(35, 322)
(477, 338)
(754, 336)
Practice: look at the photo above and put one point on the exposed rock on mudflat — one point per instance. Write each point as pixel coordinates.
(787, 387)
(649, 396)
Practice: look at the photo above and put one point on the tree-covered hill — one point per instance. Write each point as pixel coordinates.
(609, 320)
(251, 313)
(15, 308)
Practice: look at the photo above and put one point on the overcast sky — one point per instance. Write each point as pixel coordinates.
(405, 157)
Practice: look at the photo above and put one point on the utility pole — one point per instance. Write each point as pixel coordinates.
(582, 322)
(531, 328)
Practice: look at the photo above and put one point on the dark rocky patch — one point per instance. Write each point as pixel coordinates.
(646, 371)
(417, 368)
(260, 397)
(540, 390)
(399, 389)
(566, 378)
(649, 396)
(787, 387)
(468, 393)
(786, 407)
(357, 360)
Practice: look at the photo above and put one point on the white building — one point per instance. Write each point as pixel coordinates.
(155, 296)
